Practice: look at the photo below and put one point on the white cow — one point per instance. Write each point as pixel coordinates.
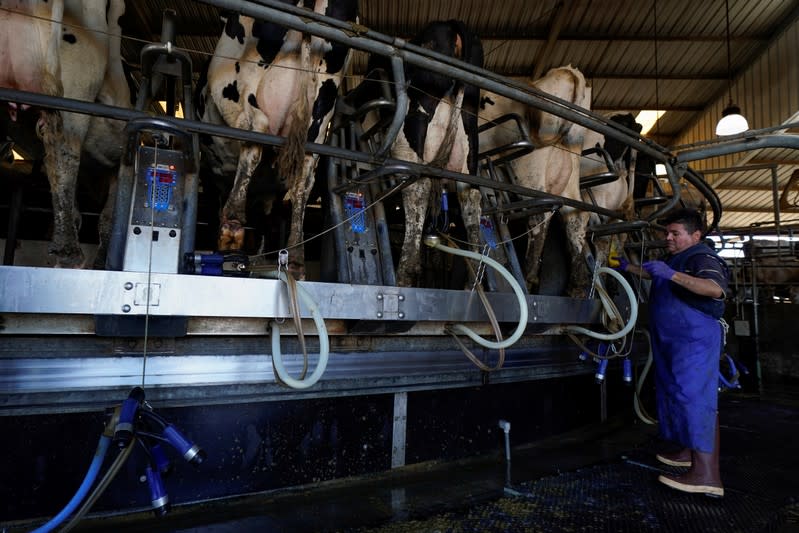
(67, 48)
(553, 167)
(615, 195)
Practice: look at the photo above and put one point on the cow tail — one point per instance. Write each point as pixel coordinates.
(291, 157)
(445, 148)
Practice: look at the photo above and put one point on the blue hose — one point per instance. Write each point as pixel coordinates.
(88, 481)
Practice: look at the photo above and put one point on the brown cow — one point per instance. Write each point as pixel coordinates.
(553, 167)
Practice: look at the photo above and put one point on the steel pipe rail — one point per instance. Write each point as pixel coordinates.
(739, 145)
(194, 126)
(362, 38)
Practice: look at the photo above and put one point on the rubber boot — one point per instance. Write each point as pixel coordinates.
(680, 458)
(703, 477)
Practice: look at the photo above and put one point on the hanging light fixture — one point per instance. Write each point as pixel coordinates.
(732, 121)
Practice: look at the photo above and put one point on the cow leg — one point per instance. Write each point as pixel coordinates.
(414, 200)
(61, 162)
(576, 223)
(105, 224)
(538, 226)
(234, 213)
(470, 199)
(298, 193)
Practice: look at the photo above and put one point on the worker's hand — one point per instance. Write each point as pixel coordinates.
(658, 269)
(618, 263)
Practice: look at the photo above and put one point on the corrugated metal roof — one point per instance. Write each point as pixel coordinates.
(613, 42)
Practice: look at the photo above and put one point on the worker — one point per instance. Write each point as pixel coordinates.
(685, 309)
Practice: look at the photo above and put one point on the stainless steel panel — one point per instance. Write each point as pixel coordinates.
(84, 292)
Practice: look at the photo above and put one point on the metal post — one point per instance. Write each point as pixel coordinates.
(400, 429)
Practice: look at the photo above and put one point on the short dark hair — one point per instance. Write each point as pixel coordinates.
(691, 220)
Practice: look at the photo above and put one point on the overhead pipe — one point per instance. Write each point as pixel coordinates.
(194, 126)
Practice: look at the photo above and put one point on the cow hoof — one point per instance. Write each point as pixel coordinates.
(64, 259)
(231, 236)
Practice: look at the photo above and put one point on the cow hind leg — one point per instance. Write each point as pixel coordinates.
(576, 223)
(470, 199)
(298, 194)
(61, 162)
(105, 224)
(415, 198)
(538, 227)
(234, 213)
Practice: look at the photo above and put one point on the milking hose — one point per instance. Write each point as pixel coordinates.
(630, 322)
(324, 344)
(434, 242)
(639, 408)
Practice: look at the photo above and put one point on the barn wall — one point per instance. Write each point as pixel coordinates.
(779, 354)
(767, 93)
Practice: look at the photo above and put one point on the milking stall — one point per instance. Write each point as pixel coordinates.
(360, 265)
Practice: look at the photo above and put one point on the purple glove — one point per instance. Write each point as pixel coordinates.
(659, 269)
(618, 263)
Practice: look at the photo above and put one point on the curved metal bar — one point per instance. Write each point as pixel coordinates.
(194, 126)
(400, 109)
(741, 145)
(710, 195)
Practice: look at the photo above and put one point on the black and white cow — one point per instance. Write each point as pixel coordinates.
(67, 48)
(440, 130)
(269, 79)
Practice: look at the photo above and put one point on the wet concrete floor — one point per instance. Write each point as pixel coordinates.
(601, 478)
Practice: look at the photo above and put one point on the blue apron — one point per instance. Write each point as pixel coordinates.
(686, 344)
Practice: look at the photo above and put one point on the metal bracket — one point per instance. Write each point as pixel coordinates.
(141, 293)
(389, 306)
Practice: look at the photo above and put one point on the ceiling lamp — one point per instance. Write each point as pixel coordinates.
(732, 121)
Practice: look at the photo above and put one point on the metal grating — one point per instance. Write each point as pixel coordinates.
(758, 465)
(620, 497)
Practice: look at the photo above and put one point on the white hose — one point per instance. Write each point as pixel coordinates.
(639, 409)
(324, 344)
(633, 311)
(434, 242)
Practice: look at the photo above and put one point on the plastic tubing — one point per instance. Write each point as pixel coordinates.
(88, 481)
(639, 409)
(630, 322)
(324, 344)
(434, 242)
(109, 476)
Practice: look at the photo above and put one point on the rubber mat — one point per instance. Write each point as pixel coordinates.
(619, 497)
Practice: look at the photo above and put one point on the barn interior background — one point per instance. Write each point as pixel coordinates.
(661, 55)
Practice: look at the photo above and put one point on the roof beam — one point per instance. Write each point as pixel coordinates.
(742, 209)
(556, 23)
(606, 108)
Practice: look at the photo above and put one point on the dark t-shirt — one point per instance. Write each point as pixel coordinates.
(709, 266)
